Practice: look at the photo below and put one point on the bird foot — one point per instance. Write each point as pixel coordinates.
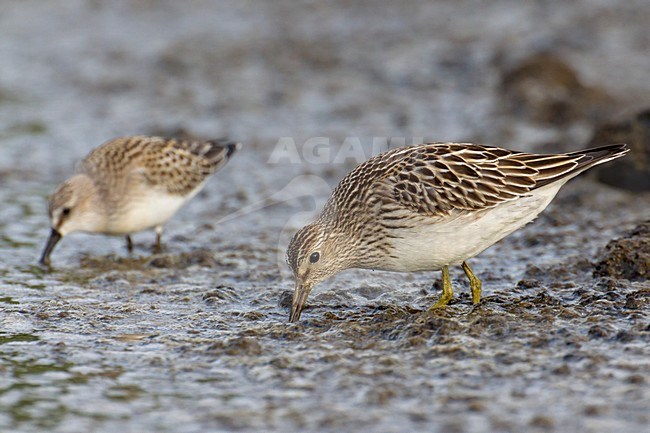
(441, 302)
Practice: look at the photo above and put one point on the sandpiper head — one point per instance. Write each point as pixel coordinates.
(314, 254)
(72, 208)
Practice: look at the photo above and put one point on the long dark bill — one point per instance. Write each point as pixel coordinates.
(299, 298)
(49, 247)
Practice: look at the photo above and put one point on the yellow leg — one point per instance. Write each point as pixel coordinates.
(474, 283)
(447, 291)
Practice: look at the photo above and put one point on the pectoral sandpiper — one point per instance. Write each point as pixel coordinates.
(131, 184)
(428, 207)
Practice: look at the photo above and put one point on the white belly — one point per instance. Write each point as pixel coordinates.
(145, 212)
(430, 247)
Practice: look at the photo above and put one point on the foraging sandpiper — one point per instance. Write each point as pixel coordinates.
(427, 207)
(131, 184)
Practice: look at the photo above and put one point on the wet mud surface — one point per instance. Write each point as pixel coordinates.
(196, 338)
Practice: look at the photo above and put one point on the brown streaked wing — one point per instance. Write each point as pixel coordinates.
(115, 156)
(175, 165)
(469, 177)
(549, 167)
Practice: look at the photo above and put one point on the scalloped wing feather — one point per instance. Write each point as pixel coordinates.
(177, 166)
(437, 179)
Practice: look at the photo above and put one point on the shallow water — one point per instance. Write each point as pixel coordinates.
(196, 339)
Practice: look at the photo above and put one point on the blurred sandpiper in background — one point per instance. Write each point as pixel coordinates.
(195, 339)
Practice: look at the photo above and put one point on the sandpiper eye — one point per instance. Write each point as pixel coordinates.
(314, 257)
(65, 211)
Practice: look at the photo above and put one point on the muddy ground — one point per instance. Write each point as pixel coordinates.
(196, 339)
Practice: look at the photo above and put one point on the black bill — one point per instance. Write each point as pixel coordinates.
(299, 298)
(49, 247)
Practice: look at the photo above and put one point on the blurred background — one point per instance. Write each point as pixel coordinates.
(518, 74)
(196, 340)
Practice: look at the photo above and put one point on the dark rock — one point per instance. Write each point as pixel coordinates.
(633, 171)
(624, 336)
(593, 410)
(237, 346)
(635, 379)
(544, 89)
(219, 295)
(542, 422)
(597, 331)
(528, 284)
(627, 257)
(200, 257)
(563, 370)
(544, 299)
(285, 299)
(638, 299)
